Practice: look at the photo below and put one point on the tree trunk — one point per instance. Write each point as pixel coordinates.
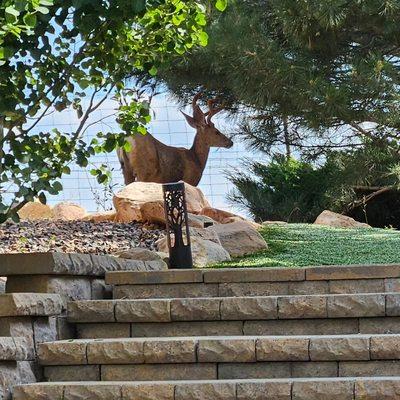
(287, 138)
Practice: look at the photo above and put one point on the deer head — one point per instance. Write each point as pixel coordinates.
(205, 128)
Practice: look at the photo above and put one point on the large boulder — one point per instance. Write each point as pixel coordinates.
(217, 214)
(199, 221)
(226, 217)
(330, 218)
(105, 216)
(68, 211)
(239, 238)
(35, 210)
(143, 201)
(205, 234)
(204, 252)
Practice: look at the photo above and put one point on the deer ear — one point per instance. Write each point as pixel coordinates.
(190, 120)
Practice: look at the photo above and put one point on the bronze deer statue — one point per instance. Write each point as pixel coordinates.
(150, 160)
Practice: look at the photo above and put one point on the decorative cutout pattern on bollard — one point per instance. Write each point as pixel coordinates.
(178, 236)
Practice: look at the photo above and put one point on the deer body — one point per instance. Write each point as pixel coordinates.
(153, 161)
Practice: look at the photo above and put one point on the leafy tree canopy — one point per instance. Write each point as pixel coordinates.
(56, 54)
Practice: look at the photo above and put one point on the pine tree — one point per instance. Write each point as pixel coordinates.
(314, 73)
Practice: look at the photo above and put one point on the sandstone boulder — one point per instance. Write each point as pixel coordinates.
(146, 255)
(101, 216)
(217, 214)
(143, 201)
(35, 211)
(205, 234)
(204, 252)
(239, 238)
(329, 218)
(225, 217)
(198, 221)
(68, 211)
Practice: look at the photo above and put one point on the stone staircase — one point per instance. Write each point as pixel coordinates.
(245, 334)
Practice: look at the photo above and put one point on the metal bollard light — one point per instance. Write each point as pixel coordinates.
(178, 236)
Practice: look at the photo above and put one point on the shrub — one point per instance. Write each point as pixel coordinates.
(284, 189)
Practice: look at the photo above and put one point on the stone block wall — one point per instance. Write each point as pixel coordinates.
(33, 302)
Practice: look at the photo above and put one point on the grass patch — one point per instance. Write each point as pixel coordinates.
(302, 245)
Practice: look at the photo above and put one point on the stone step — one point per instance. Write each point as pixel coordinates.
(224, 357)
(30, 304)
(273, 315)
(254, 281)
(368, 388)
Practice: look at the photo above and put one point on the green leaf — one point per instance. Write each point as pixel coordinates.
(127, 146)
(102, 178)
(203, 36)
(42, 198)
(201, 19)
(12, 11)
(221, 5)
(57, 186)
(153, 71)
(43, 10)
(30, 20)
(15, 217)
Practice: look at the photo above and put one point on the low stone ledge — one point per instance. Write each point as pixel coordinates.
(311, 275)
(154, 277)
(70, 264)
(359, 305)
(30, 304)
(243, 389)
(351, 272)
(225, 275)
(223, 349)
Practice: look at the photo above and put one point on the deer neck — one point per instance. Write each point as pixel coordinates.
(201, 150)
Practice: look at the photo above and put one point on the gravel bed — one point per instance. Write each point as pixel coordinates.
(76, 237)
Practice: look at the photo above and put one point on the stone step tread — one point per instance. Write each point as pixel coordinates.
(267, 274)
(56, 263)
(30, 304)
(220, 349)
(236, 308)
(278, 327)
(366, 388)
(13, 349)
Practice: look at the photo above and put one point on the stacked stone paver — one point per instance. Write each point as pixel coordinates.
(26, 319)
(245, 334)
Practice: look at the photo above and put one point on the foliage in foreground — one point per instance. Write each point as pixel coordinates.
(302, 245)
(311, 72)
(58, 54)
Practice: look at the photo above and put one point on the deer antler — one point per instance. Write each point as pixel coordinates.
(212, 110)
(197, 112)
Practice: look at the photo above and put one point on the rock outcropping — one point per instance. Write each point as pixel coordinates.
(329, 218)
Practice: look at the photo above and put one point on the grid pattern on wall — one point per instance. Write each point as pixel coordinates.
(169, 126)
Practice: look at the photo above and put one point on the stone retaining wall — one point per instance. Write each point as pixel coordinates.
(32, 310)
